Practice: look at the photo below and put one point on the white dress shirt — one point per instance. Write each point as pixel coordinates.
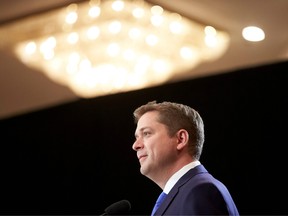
(176, 176)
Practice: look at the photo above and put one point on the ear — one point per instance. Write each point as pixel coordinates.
(182, 139)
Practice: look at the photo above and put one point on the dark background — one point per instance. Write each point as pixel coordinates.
(77, 158)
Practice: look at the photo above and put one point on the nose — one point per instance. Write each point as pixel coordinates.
(137, 145)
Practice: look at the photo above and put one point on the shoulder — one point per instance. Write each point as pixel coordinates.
(199, 177)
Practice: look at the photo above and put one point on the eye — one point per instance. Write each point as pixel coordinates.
(146, 133)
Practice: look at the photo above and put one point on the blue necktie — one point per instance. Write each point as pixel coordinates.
(158, 202)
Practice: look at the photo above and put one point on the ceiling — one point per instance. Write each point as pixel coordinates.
(23, 90)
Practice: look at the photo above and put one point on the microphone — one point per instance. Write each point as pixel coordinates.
(121, 207)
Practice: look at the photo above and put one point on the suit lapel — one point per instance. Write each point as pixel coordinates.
(174, 191)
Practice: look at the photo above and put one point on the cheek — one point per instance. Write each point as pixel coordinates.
(151, 143)
(170, 146)
(166, 146)
(160, 144)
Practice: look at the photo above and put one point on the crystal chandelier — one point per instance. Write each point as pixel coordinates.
(102, 47)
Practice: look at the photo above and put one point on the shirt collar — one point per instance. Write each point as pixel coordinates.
(176, 176)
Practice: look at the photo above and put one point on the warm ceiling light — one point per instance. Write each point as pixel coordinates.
(102, 47)
(253, 33)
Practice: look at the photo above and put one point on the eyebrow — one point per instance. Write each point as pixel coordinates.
(141, 130)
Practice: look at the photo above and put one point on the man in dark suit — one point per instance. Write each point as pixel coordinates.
(169, 142)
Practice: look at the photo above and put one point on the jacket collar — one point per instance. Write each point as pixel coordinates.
(174, 191)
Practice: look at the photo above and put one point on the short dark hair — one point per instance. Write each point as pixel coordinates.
(177, 116)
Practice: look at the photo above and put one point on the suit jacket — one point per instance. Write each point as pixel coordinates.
(198, 193)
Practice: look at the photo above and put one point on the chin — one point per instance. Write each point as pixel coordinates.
(143, 170)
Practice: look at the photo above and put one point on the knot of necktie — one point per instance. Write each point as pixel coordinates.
(158, 202)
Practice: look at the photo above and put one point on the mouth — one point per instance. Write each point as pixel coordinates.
(142, 157)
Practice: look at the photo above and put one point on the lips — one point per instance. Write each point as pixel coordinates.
(141, 156)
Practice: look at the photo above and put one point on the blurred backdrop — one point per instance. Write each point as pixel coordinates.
(76, 158)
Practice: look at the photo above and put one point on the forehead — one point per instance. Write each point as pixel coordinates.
(148, 117)
(148, 120)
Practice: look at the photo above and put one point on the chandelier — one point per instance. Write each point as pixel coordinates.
(102, 47)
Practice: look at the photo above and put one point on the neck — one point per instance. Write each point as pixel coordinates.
(165, 174)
